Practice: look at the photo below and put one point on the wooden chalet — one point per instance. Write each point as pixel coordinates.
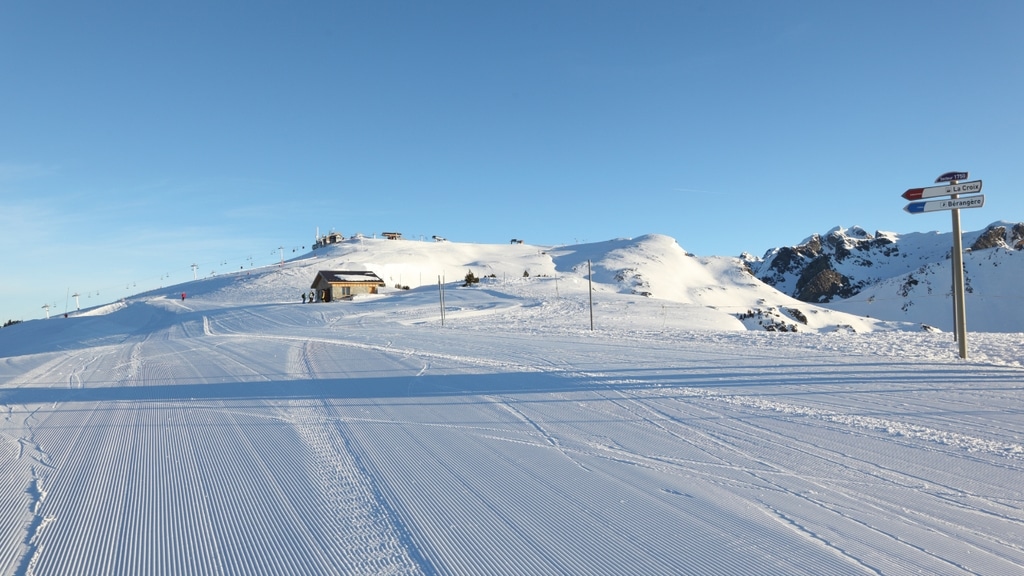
(344, 284)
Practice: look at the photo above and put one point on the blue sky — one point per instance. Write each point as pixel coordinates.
(140, 138)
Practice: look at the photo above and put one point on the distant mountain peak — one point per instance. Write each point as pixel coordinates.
(1001, 235)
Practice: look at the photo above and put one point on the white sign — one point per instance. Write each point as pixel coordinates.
(947, 204)
(971, 187)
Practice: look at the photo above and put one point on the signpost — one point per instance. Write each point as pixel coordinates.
(954, 203)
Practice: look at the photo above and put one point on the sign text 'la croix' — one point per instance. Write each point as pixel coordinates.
(972, 187)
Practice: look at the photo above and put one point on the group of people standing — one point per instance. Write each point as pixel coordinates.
(312, 296)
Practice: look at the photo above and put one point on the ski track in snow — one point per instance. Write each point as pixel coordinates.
(268, 440)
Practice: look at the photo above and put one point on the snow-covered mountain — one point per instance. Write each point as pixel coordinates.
(845, 279)
(650, 274)
(905, 277)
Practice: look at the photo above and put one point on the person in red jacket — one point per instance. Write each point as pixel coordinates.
(182, 296)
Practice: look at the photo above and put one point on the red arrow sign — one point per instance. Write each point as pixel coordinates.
(933, 191)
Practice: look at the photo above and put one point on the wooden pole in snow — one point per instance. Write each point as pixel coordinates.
(590, 283)
(440, 292)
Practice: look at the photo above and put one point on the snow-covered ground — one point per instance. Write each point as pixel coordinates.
(241, 431)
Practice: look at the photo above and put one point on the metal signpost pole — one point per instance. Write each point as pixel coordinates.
(959, 300)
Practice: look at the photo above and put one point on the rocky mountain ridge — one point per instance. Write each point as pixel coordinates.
(843, 262)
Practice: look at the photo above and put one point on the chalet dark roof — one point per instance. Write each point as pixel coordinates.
(337, 276)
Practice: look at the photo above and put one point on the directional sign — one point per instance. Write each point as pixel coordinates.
(947, 204)
(952, 177)
(933, 191)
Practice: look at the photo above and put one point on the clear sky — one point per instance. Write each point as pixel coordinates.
(139, 138)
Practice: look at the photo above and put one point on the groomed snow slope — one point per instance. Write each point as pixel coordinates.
(242, 432)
